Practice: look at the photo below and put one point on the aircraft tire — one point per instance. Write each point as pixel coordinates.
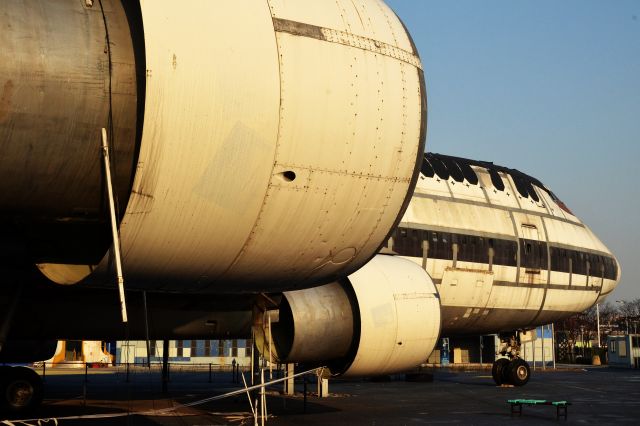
(519, 372)
(500, 367)
(22, 390)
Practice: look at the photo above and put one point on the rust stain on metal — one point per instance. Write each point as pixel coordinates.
(5, 100)
(298, 28)
(174, 63)
(142, 194)
(346, 39)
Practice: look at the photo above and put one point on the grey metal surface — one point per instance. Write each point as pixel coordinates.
(322, 323)
(66, 71)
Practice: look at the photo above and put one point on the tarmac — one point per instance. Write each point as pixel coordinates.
(598, 395)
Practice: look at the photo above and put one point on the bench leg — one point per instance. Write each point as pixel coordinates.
(516, 408)
(561, 411)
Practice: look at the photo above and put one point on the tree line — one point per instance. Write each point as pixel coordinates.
(577, 336)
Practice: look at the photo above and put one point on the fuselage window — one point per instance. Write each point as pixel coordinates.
(533, 254)
(579, 264)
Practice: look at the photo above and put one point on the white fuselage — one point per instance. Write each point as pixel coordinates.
(501, 260)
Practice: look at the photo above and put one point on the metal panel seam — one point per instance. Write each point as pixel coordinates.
(344, 38)
(249, 238)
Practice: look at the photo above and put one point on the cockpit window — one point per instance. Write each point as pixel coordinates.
(461, 169)
(440, 168)
(496, 180)
(521, 186)
(468, 173)
(532, 192)
(454, 169)
(426, 168)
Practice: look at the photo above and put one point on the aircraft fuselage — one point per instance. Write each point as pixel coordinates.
(502, 257)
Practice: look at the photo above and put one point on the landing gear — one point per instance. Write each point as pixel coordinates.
(519, 372)
(21, 390)
(512, 369)
(500, 367)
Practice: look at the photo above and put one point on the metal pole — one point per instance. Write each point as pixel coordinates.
(270, 345)
(553, 345)
(305, 393)
(481, 351)
(533, 346)
(114, 225)
(165, 365)
(84, 386)
(146, 328)
(544, 367)
(253, 358)
(263, 398)
(598, 321)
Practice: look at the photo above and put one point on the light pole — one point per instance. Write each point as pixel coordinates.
(598, 322)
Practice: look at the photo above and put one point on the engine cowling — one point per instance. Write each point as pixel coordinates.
(226, 121)
(382, 319)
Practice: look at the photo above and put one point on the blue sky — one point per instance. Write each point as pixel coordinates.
(550, 88)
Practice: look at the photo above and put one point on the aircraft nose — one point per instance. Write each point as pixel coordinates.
(610, 285)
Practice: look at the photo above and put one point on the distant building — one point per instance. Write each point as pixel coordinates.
(539, 350)
(74, 353)
(536, 346)
(217, 352)
(466, 350)
(624, 351)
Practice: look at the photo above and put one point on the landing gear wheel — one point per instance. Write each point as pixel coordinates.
(519, 372)
(500, 367)
(22, 390)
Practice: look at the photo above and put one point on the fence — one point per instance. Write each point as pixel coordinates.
(129, 371)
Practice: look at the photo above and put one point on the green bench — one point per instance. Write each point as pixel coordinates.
(517, 404)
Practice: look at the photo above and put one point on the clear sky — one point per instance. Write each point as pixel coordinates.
(551, 88)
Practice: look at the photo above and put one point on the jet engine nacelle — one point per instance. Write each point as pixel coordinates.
(255, 146)
(383, 319)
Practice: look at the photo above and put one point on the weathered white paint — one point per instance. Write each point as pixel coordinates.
(474, 297)
(399, 316)
(233, 106)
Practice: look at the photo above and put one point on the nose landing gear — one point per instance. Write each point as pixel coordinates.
(511, 369)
